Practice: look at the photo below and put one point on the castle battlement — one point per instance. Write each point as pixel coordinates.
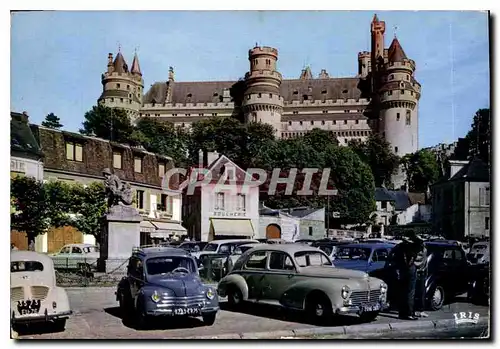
(258, 50)
(396, 95)
(363, 54)
(408, 64)
(255, 74)
(263, 98)
(194, 106)
(329, 102)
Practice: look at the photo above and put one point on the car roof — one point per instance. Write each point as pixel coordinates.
(219, 242)
(20, 256)
(444, 243)
(289, 248)
(79, 245)
(371, 245)
(161, 251)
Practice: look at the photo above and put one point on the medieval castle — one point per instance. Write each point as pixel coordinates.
(383, 97)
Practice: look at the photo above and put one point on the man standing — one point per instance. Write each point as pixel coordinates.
(406, 275)
(421, 274)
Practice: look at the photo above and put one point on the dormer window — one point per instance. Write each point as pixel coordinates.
(295, 92)
(215, 94)
(229, 172)
(304, 97)
(189, 95)
(345, 91)
(323, 92)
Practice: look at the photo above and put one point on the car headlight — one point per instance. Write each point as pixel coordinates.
(383, 288)
(345, 292)
(210, 293)
(155, 297)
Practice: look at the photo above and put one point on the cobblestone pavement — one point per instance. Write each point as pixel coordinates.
(96, 316)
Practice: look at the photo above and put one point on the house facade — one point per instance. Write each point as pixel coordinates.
(221, 208)
(74, 158)
(312, 221)
(461, 201)
(276, 224)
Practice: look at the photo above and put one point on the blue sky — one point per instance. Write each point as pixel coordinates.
(57, 58)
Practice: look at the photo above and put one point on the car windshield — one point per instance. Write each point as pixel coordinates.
(311, 258)
(479, 247)
(245, 248)
(353, 253)
(165, 265)
(25, 266)
(91, 249)
(211, 247)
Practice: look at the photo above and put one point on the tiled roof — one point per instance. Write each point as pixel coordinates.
(402, 199)
(120, 66)
(382, 194)
(21, 136)
(211, 91)
(396, 53)
(475, 171)
(136, 69)
(300, 213)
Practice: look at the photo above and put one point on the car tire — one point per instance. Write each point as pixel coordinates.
(234, 297)
(60, 325)
(436, 298)
(141, 318)
(369, 316)
(318, 308)
(209, 318)
(125, 304)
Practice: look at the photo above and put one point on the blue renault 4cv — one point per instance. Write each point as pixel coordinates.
(164, 281)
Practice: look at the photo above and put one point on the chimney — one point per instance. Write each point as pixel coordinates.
(200, 159)
(212, 156)
(226, 95)
(456, 165)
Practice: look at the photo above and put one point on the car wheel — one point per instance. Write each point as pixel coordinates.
(142, 319)
(209, 318)
(369, 316)
(437, 298)
(60, 325)
(234, 297)
(318, 308)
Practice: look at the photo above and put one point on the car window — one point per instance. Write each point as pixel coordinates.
(448, 255)
(25, 266)
(256, 260)
(353, 253)
(211, 247)
(458, 255)
(311, 258)
(165, 265)
(280, 261)
(76, 250)
(380, 255)
(327, 249)
(90, 249)
(237, 250)
(226, 248)
(65, 249)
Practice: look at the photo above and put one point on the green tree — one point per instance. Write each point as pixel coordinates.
(61, 201)
(31, 207)
(90, 206)
(422, 170)
(52, 121)
(108, 123)
(376, 153)
(477, 142)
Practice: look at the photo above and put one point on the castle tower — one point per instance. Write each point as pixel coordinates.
(377, 50)
(122, 88)
(399, 95)
(262, 100)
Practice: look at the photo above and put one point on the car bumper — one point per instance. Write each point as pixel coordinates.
(170, 311)
(360, 309)
(20, 319)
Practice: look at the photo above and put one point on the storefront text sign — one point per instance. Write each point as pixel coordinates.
(228, 214)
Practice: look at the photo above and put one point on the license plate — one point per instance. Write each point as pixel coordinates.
(29, 311)
(186, 311)
(370, 307)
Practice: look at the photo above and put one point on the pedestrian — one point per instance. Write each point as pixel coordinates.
(421, 276)
(406, 277)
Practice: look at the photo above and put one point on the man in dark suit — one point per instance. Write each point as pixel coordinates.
(421, 276)
(404, 264)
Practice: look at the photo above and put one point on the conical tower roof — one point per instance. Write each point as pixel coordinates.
(136, 69)
(396, 53)
(120, 66)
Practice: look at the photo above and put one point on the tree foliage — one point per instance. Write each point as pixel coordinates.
(89, 208)
(376, 153)
(108, 123)
(422, 170)
(477, 142)
(52, 121)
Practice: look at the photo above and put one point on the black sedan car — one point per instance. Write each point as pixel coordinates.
(447, 276)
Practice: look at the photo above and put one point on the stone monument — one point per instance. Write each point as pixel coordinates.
(121, 231)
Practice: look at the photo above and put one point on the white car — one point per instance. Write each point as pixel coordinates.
(80, 257)
(34, 296)
(221, 247)
(479, 253)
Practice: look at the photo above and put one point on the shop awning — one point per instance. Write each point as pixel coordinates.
(165, 229)
(232, 227)
(147, 227)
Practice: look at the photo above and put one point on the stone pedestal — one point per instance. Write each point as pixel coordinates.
(121, 234)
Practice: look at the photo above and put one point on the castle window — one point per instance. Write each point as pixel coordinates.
(300, 122)
(117, 85)
(325, 111)
(174, 114)
(347, 111)
(188, 114)
(248, 96)
(397, 117)
(183, 124)
(322, 122)
(189, 95)
(345, 122)
(121, 100)
(259, 95)
(396, 150)
(295, 92)
(408, 117)
(312, 122)
(128, 87)
(270, 95)
(389, 93)
(290, 123)
(402, 92)
(295, 112)
(345, 91)
(357, 121)
(391, 77)
(323, 92)
(411, 93)
(214, 114)
(345, 140)
(200, 114)
(335, 122)
(305, 97)
(112, 99)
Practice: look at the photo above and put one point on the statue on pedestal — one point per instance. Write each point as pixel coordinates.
(119, 194)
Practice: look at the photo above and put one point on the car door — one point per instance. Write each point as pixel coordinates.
(279, 276)
(378, 259)
(61, 258)
(136, 276)
(76, 258)
(461, 270)
(446, 270)
(253, 272)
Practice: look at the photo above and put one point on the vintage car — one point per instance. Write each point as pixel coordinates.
(300, 277)
(34, 296)
(365, 257)
(479, 253)
(448, 273)
(479, 284)
(193, 246)
(164, 281)
(224, 264)
(225, 247)
(329, 246)
(76, 257)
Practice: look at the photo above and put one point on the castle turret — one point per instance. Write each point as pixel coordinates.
(262, 100)
(122, 88)
(377, 50)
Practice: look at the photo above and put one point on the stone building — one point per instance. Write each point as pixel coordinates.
(461, 201)
(72, 157)
(382, 97)
(276, 224)
(312, 222)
